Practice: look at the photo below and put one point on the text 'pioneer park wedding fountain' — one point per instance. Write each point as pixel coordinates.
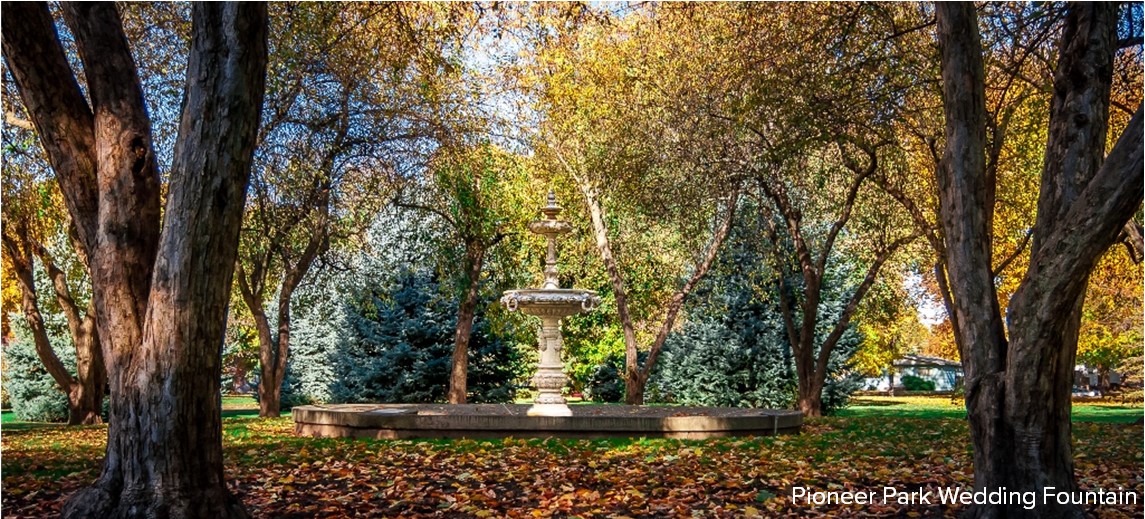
(549, 415)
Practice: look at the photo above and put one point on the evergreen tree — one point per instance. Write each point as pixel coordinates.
(375, 330)
(33, 393)
(398, 341)
(734, 350)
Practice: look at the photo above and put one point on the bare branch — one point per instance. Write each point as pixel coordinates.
(428, 208)
(678, 298)
(848, 202)
(11, 118)
(1017, 252)
(1131, 237)
(856, 298)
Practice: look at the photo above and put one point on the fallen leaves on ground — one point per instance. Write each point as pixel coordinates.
(278, 475)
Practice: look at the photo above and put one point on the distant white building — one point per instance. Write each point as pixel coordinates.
(946, 374)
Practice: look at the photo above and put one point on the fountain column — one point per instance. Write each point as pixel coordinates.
(550, 378)
(551, 303)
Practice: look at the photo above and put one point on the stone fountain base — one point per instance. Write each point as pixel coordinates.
(549, 410)
(397, 421)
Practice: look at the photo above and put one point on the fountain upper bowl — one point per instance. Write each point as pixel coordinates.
(550, 302)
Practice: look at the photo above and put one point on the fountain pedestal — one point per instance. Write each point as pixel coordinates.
(551, 303)
(550, 378)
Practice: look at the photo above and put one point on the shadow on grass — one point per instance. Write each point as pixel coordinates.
(235, 413)
(14, 426)
(867, 402)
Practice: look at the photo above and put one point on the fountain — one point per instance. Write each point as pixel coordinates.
(551, 303)
(549, 415)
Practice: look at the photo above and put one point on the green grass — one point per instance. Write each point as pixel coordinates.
(943, 407)
(239, 402)
(235, 406)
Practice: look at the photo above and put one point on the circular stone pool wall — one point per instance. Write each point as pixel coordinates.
(394, 421)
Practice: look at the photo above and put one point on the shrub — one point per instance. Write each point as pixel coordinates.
(913, 383)
(592, 340)
(605, 384)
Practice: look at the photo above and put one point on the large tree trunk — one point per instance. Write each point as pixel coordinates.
(474, 259)
(1018, 391)
(811, 399)
(270, 383)
(271, 349)
(274, 347)
(85, 397)
(160, 295)
(633, 386)
(963, 193)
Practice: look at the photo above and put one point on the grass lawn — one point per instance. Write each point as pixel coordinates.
(945, 407)
(905, 443)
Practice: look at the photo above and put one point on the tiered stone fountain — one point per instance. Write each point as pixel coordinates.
(549, 415)
(551, 303)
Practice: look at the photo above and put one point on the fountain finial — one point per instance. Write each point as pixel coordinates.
(552, 209)
(550, 228)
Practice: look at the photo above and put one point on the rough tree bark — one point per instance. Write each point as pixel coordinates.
(1018, 390)
(474, 261)
(160, 291)
(86, 388)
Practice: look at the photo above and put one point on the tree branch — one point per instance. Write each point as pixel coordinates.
(1133, 241)
(848, 202)
(1088, 228)
(1130, 42)
(57, 108)
(11, 118)
(857, 297)
(21, 260)
(792, 219)
(785, 307)
(60, 286)
(1017, 252)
